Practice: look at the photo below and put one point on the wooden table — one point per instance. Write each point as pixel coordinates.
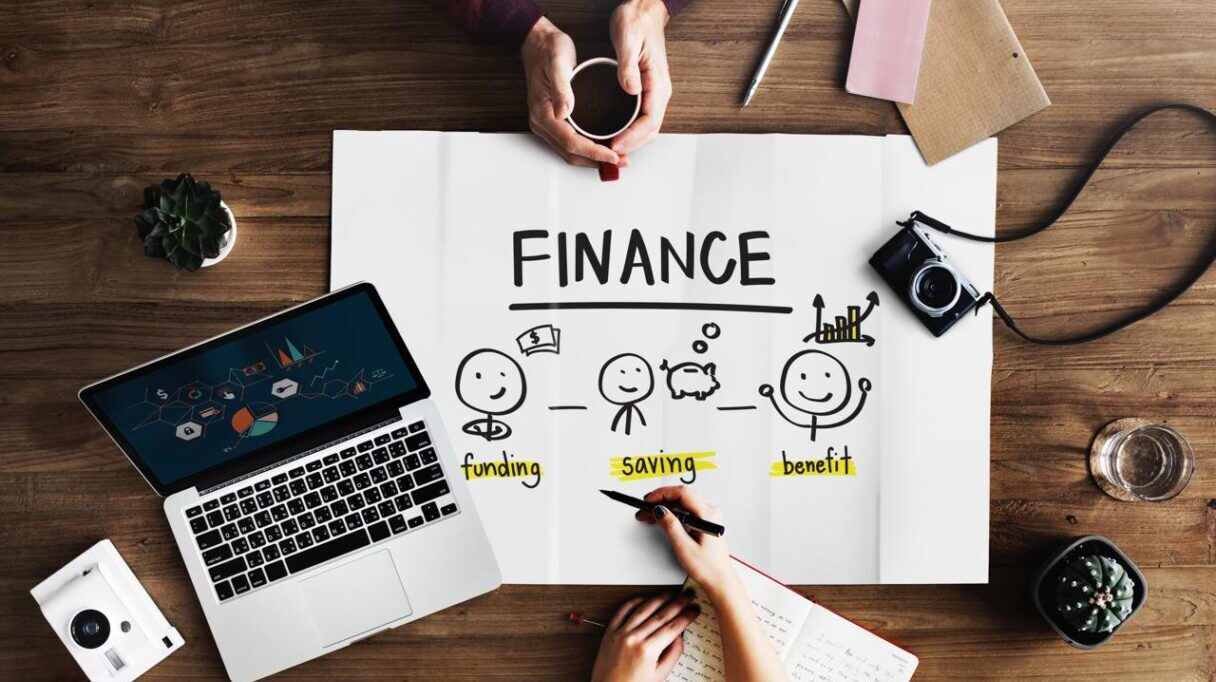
(99, 99)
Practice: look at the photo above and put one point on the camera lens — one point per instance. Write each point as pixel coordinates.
(934, 288)
(90, 628)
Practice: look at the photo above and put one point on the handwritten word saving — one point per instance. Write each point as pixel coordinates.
(683, 464)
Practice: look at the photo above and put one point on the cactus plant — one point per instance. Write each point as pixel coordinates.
(184, 222)
(1094, 593)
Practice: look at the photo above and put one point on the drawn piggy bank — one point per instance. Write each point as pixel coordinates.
(691, 379)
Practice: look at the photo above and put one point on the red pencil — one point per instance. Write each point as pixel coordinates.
(579, 619)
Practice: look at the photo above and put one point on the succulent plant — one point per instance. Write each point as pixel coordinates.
(1094, 593)
(183, 222)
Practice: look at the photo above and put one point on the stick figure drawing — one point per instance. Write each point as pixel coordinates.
(626, 380)
(816, 384)
(492, 383)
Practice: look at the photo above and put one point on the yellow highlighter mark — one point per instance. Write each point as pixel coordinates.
(682, 464)
(831, 464)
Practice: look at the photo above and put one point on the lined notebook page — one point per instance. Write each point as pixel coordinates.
(781, 613)
(831, 648)
(815, 644)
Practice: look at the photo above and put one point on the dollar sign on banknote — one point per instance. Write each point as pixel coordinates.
(544, 338)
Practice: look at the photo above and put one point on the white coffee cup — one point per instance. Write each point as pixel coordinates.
(636, 109)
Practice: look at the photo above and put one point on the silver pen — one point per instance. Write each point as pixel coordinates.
(783, 20)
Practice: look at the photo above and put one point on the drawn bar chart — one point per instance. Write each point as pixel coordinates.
(842, 328)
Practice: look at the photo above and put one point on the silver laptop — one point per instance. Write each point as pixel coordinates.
(307, 478)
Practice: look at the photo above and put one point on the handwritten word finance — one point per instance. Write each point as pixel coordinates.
(625, 256)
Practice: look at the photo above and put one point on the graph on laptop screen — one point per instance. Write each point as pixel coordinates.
(258, 389)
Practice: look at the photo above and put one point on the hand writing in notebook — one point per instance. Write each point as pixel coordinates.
(747, 652)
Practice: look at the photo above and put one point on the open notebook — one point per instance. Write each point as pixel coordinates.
(813, 641)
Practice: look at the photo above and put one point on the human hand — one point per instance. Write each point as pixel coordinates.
(644, 639)
(549, 59)
(636, 29)
(703, 556)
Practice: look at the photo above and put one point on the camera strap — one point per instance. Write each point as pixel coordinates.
(1161, 301)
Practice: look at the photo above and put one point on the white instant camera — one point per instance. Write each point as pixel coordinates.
(105, 617)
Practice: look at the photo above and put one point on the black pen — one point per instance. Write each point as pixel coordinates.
(687, 518)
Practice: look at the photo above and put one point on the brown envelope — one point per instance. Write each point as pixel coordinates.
(975, 79)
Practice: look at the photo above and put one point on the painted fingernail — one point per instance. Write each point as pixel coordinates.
(660, 511)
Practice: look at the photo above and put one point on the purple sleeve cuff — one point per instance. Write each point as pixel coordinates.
(674, 7)
(507, 22)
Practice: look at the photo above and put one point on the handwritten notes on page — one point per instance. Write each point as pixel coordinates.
(816, 644)
(831, 648)
(781, 613)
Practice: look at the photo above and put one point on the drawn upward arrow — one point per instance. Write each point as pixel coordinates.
(818, 303)
(873, 299)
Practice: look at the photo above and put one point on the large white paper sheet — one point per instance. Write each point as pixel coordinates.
(485, 247)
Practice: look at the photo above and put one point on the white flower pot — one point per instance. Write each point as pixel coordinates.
(229, 242)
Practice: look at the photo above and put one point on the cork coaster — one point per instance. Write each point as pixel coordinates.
(1095, 456)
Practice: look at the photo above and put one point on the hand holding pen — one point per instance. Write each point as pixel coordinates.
(649, 510)
(703, 556)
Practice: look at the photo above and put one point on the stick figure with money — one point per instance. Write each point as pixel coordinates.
(490, 382)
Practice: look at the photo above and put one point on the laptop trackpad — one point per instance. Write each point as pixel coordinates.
(356, 598)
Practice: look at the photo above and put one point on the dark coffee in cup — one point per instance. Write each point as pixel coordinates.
(602, 109)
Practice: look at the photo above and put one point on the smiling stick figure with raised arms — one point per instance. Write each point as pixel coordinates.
(626, 380)
(816, 384)
(491, 383)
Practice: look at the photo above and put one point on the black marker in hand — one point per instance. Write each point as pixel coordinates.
(689, 519)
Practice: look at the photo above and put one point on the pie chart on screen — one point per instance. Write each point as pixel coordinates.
(254, 419)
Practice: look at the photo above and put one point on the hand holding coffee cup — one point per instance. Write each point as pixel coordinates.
(637, 31)
(549, 59)
(602, 108)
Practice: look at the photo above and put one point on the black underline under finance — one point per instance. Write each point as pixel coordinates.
(653, 305)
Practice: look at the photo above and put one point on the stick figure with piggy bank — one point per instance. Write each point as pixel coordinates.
(816, 384)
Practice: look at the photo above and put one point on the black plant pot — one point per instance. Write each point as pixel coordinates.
(1043, 590)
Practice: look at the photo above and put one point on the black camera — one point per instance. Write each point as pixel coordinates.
(925, 279)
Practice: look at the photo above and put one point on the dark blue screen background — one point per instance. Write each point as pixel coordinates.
(240, 397)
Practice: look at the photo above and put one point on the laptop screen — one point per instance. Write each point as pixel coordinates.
(260, 387)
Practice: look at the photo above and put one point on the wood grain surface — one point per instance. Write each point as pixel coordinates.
(99, 98)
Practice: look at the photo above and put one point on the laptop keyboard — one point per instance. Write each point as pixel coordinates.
(320, 509)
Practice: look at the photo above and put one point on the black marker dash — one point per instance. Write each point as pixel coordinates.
(729, 408)
(567, 407)
(652, 305)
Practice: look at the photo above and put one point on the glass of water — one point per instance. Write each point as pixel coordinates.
(1133, 459)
